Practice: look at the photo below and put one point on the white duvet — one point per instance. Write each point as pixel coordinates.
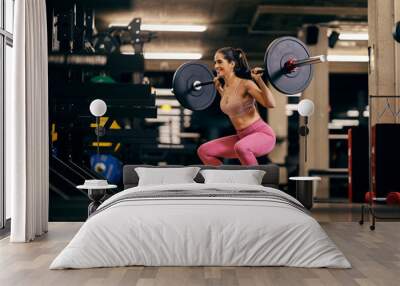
(200, 231)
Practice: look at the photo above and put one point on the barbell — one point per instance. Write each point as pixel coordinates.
(288, 66)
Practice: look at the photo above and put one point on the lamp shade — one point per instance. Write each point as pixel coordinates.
(98, 107)
(306, 107)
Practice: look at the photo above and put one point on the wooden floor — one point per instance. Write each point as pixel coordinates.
(374, 255)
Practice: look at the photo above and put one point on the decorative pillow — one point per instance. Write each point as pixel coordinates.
(249, 177)
(163, 176)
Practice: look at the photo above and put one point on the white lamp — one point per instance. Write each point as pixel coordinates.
(98, 108)
(306, 109)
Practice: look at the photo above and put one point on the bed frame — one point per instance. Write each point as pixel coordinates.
(270, 179)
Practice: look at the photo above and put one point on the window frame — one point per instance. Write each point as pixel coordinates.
(6, 39)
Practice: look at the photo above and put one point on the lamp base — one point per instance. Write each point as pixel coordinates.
(304, 130)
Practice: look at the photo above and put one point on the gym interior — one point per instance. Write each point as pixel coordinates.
(89, 89)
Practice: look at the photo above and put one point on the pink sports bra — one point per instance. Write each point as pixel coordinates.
(234, 105)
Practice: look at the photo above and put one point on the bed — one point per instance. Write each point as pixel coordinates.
(198, 224)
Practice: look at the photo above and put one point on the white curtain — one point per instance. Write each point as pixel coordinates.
(27, 169)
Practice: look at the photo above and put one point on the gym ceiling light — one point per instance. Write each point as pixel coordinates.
(166, 27)
(347, 36)
(172, 56)
(173, 28)
(169, 56)
(347, 58)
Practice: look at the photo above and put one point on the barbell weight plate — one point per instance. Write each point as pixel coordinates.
(277, 54)
(182, 85)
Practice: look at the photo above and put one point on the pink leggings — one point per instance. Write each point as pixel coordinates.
(256, 140)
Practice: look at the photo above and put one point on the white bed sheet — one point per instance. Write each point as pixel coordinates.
(200, 231)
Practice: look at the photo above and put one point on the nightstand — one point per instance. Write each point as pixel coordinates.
(304, 189)
(96, 192)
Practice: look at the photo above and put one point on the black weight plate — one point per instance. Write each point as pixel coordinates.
(278, 53)
(105, 43)
(182, 85)
(396, 32)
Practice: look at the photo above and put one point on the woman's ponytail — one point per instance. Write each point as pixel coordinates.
(242, 67)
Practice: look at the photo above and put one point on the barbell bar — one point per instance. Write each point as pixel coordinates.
(292, 64)
(288, 66)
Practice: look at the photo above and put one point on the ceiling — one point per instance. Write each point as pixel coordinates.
(249, 24)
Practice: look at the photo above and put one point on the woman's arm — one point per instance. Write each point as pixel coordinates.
(261, 92)
(218, 85)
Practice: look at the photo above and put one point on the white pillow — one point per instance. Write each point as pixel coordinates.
(249, 177)
(164, 176)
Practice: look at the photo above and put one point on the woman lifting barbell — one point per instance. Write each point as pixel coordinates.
(254, 137)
